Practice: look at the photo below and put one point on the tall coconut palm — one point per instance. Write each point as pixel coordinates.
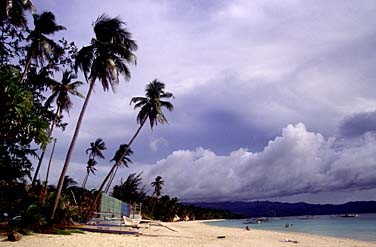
(41, 46)
(151, 107)
(60, 94)
(157, 184)
(14, 11)
(94, 151)
(90, 168)
(105, 59)
(121, 160)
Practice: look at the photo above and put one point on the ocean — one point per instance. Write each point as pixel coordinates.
(362, 227)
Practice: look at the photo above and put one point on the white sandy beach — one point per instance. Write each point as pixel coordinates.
(188, 234)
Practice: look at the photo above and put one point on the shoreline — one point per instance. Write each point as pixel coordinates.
(316, 231)
(189, 234)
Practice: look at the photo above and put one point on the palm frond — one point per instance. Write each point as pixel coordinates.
(138, 99)
(110, 52)
(113, 30)
(142, 114)
(84, 60)
(167, 104)
(50, 99)
(120, 152)
(46, 23)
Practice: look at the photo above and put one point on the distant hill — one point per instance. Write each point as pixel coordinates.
(278, 209)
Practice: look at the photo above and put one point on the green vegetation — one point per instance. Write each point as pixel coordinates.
(163, 207)
(32, 103)
(67, 231)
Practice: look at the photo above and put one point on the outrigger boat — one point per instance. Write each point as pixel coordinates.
(116, 225)
(118, 217)
(108, 225)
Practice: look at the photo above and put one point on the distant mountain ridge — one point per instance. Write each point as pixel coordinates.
(279, 209)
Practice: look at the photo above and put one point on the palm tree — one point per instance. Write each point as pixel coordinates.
(41, 46)
(60, 93)
(105, 58)
(14, 11)
(151, 107)
(121, 160)
(131, 190)
(90, 168)
(94, 151)
(157, 184)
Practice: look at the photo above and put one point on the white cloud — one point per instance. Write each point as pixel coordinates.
(297, 162)
(156, 143)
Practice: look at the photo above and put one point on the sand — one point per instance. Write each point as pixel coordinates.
(188, 234)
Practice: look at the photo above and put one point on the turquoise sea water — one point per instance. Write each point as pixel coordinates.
(362, 227)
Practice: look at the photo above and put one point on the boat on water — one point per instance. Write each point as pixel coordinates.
(348, 215)
(308, 217)
(257, 220)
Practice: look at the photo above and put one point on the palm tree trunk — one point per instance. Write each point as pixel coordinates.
(85, 180)
(26, 68)
(44, 148)
(71, 147)
(116, 164)
(49, 165)
(111, 179)
(152, 209)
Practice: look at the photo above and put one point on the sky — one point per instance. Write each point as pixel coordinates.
(274, 100)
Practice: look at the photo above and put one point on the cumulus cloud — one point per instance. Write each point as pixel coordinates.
(297, 162)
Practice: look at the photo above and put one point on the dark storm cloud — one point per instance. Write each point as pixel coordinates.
(358, 124)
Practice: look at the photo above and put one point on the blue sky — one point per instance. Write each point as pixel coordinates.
(273, 99)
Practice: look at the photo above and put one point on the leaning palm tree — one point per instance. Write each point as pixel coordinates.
(60, 94)
(157, 184)
(105, 58)
(90, 168)
(121, 160)
(41, 46)
(151, 107)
